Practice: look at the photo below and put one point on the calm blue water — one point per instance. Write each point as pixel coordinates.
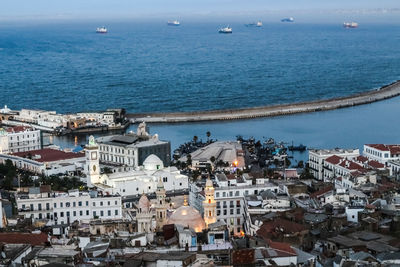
(349, 128)
(151, 67)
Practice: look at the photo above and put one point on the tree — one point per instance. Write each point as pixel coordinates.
(189, 160)
(195, 138)
(300, 164)
(212, 159)
(208, 133)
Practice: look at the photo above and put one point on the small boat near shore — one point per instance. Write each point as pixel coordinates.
(101, 30)
(300, 147)
(225, 30)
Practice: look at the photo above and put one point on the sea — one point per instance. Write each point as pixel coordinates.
(152, 67)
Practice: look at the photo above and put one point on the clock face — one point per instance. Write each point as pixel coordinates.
(94, 155)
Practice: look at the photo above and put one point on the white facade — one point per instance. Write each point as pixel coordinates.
(382, 153)
(230, 201)
(352, 213)
(316, 158)
(65, 208)
(19, 139)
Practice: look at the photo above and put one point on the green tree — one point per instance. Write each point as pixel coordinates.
(195, 139)
(212, 159)
(189, 160)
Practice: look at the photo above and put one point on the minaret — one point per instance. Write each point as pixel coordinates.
(92, 162)
(209, 204)
(161, 209)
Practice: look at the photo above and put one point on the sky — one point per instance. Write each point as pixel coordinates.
(92, 9)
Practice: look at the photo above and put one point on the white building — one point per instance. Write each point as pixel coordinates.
(135, 181)
(132, 149)
(19, 139)
(65, 208)
(316, 159)
(382, 153)
(229, 197)
(46, 161)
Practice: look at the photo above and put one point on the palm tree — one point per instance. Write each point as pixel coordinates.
(195, 138)
(208, 133)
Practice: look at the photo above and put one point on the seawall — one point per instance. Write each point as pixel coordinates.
(385, 92)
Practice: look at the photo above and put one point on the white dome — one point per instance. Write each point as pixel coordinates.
(187, 217)
(153, 163)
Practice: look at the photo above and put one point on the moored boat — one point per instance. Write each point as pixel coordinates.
(350, 24)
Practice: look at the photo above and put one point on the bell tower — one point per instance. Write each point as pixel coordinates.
(209, 204)
(92, 168)
(161, 209)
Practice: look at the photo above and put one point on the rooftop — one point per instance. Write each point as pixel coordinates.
(48, 155)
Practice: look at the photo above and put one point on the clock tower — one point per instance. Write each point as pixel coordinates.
(92, 167)
(209, 204)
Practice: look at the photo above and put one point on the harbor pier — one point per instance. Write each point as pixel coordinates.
(385, 92)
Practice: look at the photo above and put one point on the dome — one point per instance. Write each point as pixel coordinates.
(187, 216)
(144, 204)
(209, 183)
(153, 163)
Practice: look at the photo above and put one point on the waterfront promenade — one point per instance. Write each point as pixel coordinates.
(385, 92)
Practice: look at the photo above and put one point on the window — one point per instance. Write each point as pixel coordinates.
(101, 203)
(230, 193)
(109, 212)
(68, 213)
(62, 214)
(55, 205)
(237, 193)
(74, 213)
(218, 212)
(80, 203)
(116, 212)
(217, 194)
(224, 212)
(94, 213)
(67, 204)
(116, 202)
(237, 211)
(87, 212)
(101, 213)
(165, 179)
(39, 206)
(74, 204)
(94, 204)
(224, 194)
(231, 211)
(80, 213)
(108, 203)
(87, 203)
(31, 207)
(47, 206)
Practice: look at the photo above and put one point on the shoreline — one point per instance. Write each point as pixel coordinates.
(384, 92)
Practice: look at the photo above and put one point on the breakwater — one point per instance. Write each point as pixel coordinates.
(385, 92)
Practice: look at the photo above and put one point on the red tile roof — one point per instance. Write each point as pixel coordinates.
(394, 149)
(243, 257)
(321, 191)
(24, 238)
(375, 164)
(362, 159)
(351, 165)
(49, 155)
(17, 129)
(285, 247)
(270, 229)
(333, 159)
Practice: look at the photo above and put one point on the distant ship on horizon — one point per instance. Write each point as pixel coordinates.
(291, 19)
(173, 23)
(350, 24)
(254, 24)
(101, 30)
(225, 30)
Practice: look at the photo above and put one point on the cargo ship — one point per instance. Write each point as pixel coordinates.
(173, 23)
(350, 24)
(101, 30)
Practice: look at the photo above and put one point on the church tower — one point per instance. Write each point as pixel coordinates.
(161, 209)
(209, 204)
(92, 162)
